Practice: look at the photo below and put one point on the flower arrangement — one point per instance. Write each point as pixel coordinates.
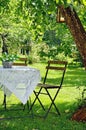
(8, 57)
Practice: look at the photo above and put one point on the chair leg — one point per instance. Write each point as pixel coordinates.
(39, 100)
(52, 103)
(37, 94)
(50, 108)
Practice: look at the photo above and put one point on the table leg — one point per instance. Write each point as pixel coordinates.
(4, 101)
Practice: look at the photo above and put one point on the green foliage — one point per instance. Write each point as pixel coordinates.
(50, 38)
(34, 53)
(67, 2)
(82, 97)
(35, 21)
(59, 41)
(8, 57)
(4, 5)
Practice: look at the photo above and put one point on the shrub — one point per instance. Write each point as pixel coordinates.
(82, 99)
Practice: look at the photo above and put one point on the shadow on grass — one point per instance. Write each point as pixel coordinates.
(27, 121)
(75, 77)
(15, 111)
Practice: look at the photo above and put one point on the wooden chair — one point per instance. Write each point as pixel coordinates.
(55, 66)
(20, 62)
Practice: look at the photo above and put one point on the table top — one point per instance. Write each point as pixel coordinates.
(20, 80)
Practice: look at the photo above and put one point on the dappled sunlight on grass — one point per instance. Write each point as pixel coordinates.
(75, 77)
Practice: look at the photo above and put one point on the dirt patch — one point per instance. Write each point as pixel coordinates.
(80, 115)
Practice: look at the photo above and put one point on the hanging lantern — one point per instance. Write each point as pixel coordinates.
(60, 17)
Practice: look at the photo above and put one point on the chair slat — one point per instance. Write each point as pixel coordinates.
(48, 86)
(21, 62)
(55, 68)
(23, 59)
(57, 62)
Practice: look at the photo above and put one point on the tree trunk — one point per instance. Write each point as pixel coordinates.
(4, 46)
(77, 30)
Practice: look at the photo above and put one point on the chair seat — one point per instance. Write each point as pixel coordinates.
(47, 86)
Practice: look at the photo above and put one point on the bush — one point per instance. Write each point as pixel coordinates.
(82, 99)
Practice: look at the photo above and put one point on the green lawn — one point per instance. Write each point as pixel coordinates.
(66, 101)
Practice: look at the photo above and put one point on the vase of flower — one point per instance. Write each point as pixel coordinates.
(8, 59)
(7, 64)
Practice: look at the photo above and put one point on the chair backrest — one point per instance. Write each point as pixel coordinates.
(56, 66)
(21, 62)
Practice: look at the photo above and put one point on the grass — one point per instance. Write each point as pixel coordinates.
(66, 101)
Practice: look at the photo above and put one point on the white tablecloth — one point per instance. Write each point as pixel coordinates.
(20, 80)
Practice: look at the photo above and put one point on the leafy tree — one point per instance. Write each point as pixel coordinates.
(29, 20)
